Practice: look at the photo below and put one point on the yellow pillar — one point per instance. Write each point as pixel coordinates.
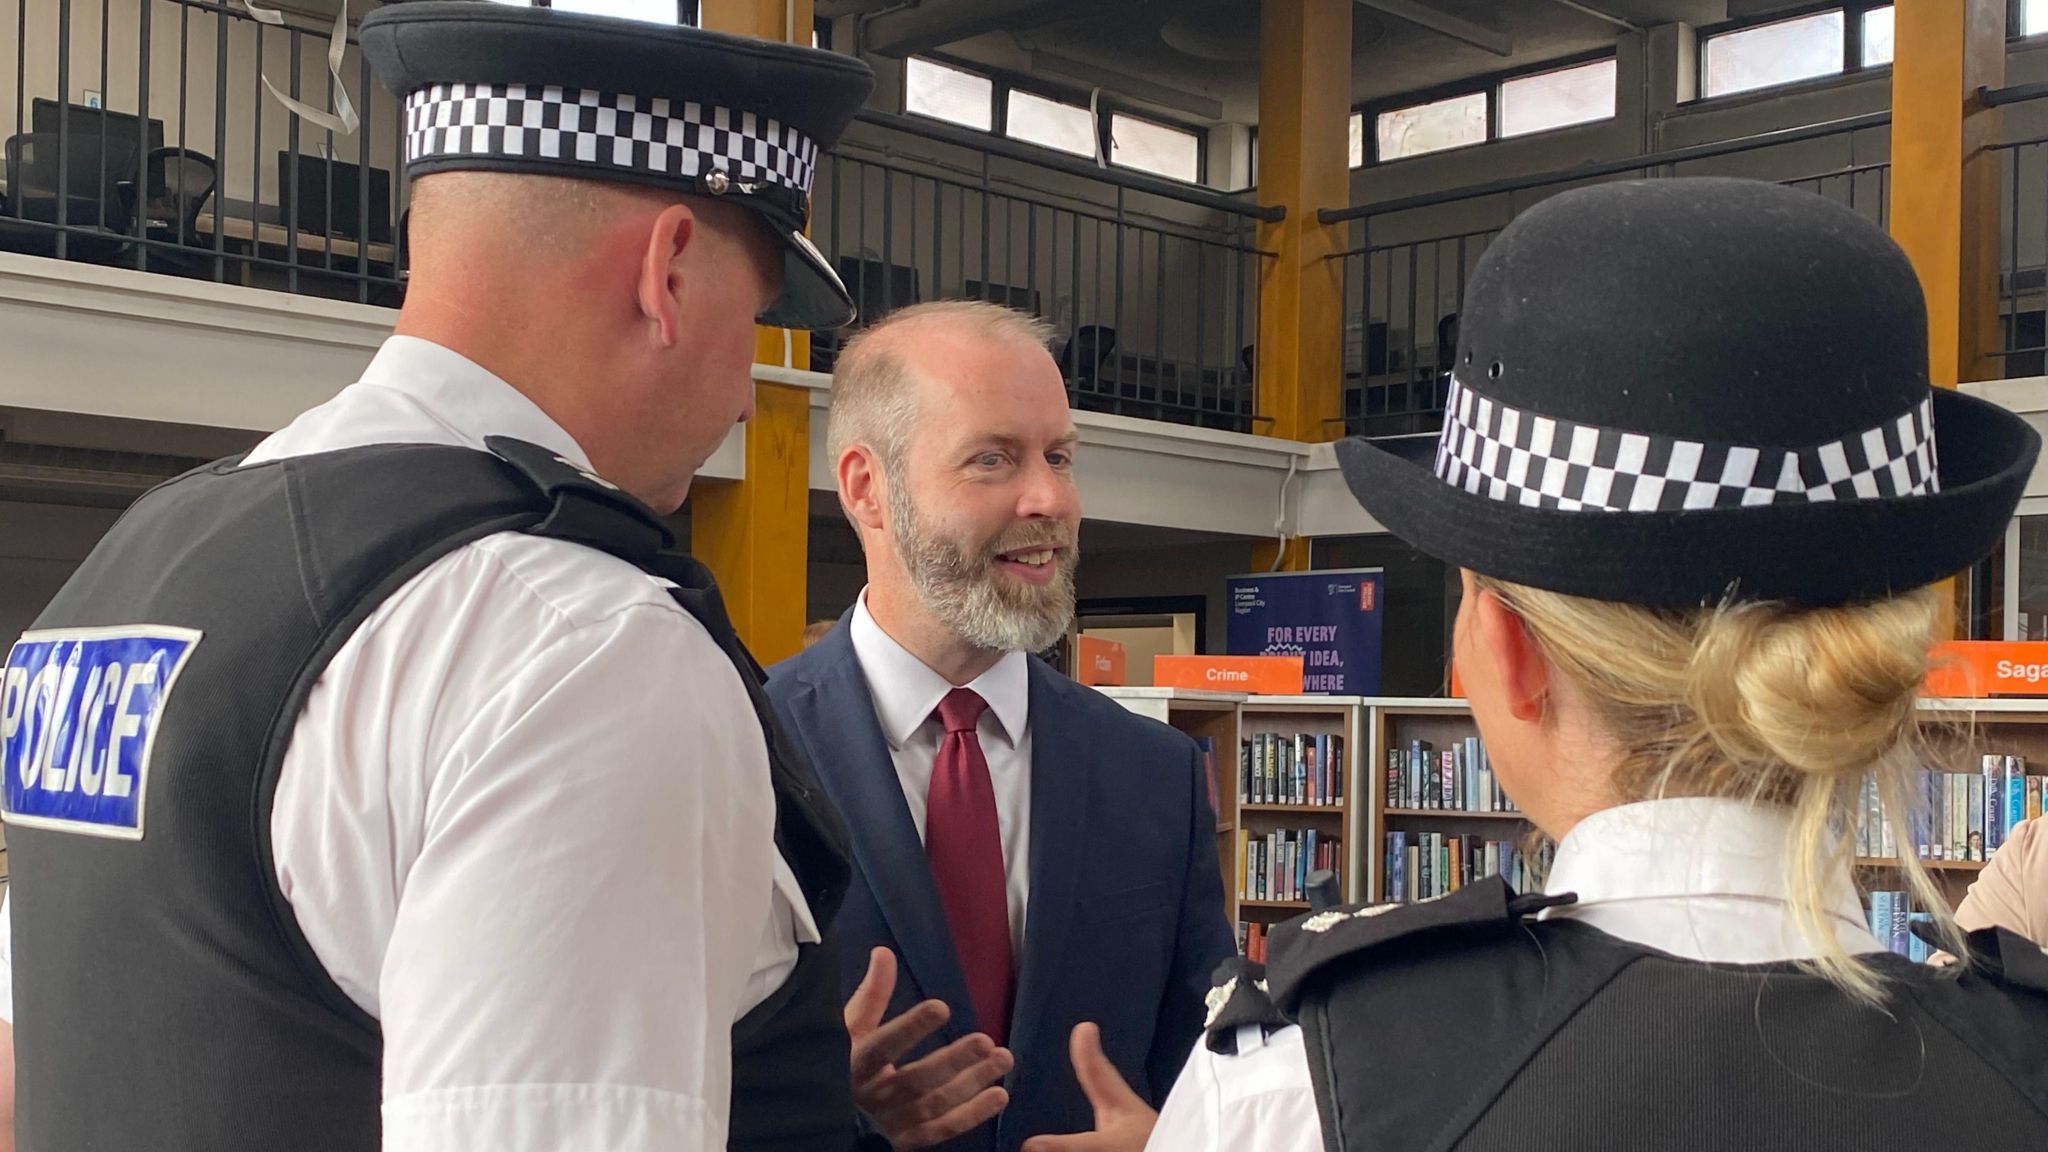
(1294, 560)
(1945, 180)
(754, 535)
(1304, 104)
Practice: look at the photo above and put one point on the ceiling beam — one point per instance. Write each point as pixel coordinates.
(1608, 17)
(932, 24)
(1130, 87)
(1456, 27)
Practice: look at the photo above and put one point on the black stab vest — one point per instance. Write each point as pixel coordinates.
(1458, 1026)
(165, 997)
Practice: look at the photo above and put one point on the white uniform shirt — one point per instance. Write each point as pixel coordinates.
(525, 820)
(1702, 879)
(907, 693)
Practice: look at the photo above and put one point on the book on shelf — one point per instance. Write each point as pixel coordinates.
(1891, 918)
(1207, 746)
(1251, 940)
(1423, 865)
(1455, 779)
(1276, 865)
(1954, 815)
(1303, 769)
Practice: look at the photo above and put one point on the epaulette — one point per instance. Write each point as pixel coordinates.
(1306, 944)
(1237, 999)
(588, 509)
(2009, 957)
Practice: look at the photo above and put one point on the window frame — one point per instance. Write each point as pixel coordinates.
(996, 106)
(2015, 19)
(1488, 85)
(1107, 104)
(1002, 128)
(1370, 130)
(1108, 110)
(1494, 118)
(1853, 68)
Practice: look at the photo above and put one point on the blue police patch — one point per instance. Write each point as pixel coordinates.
(78, 716)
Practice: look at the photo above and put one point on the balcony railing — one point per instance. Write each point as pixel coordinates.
(1150, 286)
(140, 133)
(1405, 272)
(179, 161)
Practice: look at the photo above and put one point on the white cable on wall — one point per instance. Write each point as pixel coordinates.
(1280, 520)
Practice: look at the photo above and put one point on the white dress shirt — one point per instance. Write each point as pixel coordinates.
(525, 821)
(907, 693)
(1698, 878)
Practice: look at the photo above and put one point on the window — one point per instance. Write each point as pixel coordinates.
(1431, 127)
(949, 94)
(1877, 38)
(653, 11)
(1768, 54)
(1555, 99)
(1514, 106)
(1174, 153)
(2033, 17)
(1037, 120)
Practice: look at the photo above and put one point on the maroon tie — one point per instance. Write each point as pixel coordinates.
(965, 847)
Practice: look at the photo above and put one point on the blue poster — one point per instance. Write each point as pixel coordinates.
(1331, 620)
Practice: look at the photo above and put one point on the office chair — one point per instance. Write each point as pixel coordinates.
(177, 183)
(1081, 358)
(87, 194)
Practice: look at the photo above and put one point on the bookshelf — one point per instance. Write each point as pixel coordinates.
(1303, 730)
(1395, 724)
(1210, 717)
(1964, 732)
(1370, 727)
(1968, 730)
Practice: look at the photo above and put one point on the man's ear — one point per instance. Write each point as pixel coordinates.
(660, 287)
(861, 490)
(1505, 641)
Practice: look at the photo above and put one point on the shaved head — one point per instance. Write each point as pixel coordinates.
(626, 312)
(547, 212)
(548, 216)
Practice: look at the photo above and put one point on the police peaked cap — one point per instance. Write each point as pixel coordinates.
(1678, 392)
(532, 90)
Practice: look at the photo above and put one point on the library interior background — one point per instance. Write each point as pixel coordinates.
(1249, 226)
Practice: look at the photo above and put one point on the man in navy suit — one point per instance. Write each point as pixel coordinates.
(1042, 861)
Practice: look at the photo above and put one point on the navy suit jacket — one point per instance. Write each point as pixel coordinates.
(1125, 921)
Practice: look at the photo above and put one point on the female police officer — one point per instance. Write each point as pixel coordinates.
(1701, 490)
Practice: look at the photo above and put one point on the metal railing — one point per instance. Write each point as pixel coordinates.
(2023, 254)
(1406, 267)
(1150, 287)
(183, 163)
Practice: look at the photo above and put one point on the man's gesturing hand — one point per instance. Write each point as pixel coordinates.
(1123, 1121)
(931, 1100)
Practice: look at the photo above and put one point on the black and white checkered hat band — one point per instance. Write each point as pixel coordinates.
(1506, 454)
(656, 136)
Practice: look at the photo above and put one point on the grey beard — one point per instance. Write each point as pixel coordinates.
(965, 594)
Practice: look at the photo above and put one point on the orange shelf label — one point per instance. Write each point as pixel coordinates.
(1260, 675)
(1971, 669)
(1099, 662)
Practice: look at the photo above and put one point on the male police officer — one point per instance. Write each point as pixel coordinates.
(397, 764)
